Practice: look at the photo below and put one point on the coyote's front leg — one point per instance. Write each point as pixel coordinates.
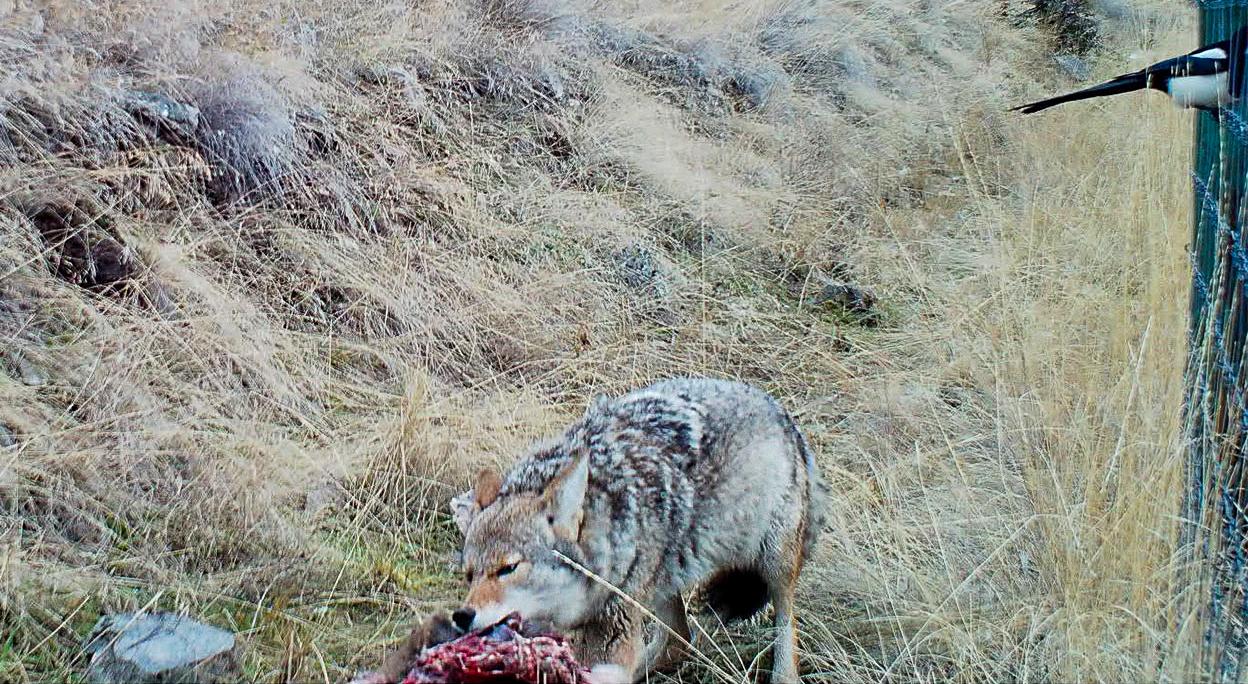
(612, 646)
(436, 629)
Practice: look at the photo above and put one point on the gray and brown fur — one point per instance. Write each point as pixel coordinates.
(686, 484)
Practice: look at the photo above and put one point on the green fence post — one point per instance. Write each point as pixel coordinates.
(1215, 415)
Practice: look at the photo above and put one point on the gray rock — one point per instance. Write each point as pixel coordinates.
(641, 269)
(854, 66)
(157, 297)
(162, 647)
(1074, 67)
(317, 129)
(161, 108)
(7, 436)
(849, 298)
(1112, 9)
(385, 75)
(758, 82)
(554, 83)
(324, 498)
(33, 377)
(28, 373)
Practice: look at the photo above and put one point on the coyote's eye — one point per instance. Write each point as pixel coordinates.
(506, 570)
(468, 576)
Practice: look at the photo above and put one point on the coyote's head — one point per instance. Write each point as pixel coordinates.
(509, 551)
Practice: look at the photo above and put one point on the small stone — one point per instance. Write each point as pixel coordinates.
(554, 83)
(174, 121)
(156, 296)
(111, 262)
(163, 647)
(1113, 9)
(854, 67)
(759, 82)
(1074, 67)
(27, 372)
(849, 298)
(324, 498)
(7, 437)
(641, 269)
(160, 107)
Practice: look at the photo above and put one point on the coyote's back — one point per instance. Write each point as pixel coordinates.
(687, 483)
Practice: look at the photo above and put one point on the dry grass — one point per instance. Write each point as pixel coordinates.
(1034, 490)
(406, 240)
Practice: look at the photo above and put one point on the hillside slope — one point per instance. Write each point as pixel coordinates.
(276, 277)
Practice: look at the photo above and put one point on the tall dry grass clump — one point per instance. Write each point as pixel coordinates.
(1091, 355)
(1081, 320)
(1090, 325)
(1024, 484)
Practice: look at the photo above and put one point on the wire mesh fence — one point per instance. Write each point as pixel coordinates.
(1216, 410)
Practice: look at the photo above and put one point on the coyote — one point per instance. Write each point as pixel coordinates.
(686, 484)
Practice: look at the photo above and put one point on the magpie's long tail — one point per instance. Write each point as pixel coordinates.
(1123, 84)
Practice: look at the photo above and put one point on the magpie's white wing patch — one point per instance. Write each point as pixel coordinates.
(1199, 91)
(1211, 53)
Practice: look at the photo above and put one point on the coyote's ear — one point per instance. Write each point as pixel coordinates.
(463, 509)
(488, 484)
(468, 505)
(565, 499)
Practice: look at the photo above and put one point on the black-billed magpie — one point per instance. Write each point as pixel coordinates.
(1205, 78)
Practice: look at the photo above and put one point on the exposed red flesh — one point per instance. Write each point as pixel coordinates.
(499, 654)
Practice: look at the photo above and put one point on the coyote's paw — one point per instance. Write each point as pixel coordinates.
(607, 674)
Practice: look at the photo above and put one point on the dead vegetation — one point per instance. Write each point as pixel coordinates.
(275, 279)
(1070, 24)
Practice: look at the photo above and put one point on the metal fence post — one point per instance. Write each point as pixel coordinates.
(1216, 413)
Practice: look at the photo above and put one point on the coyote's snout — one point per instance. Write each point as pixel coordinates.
(687, 483)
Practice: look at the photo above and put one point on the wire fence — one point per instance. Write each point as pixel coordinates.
(1216, 410)
(1217, 422)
